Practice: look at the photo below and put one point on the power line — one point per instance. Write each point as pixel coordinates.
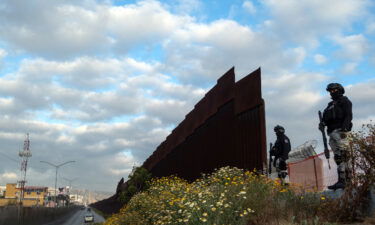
(8, 157)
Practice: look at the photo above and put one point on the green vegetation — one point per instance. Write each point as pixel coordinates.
(137, 181)
(227, 196)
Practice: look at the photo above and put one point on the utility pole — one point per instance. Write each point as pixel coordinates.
(56, 167)
(25, 154)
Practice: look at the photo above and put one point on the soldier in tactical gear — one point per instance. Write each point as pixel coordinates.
(280, 150)
(337, 117)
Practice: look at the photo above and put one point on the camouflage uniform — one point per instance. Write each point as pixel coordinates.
(339, 144)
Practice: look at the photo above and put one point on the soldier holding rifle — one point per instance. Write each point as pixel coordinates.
(280, 150)
(337, 117)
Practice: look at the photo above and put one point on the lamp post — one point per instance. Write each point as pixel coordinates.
(70, 181)
(57, 167)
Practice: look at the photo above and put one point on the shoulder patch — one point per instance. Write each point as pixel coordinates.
(286, 141)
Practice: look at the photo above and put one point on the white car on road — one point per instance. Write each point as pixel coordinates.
(89, 217)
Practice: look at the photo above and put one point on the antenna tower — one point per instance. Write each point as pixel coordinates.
(24, 154)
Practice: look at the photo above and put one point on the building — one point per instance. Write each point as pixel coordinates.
(33, 195)
(76, 199)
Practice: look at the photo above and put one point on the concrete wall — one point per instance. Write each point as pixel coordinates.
(32, 215)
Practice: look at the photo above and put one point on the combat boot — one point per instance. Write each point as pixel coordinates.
(339, 185)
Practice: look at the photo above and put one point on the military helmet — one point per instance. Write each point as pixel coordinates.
(279, 129)
(337, 86)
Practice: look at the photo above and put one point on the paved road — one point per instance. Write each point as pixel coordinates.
(77, 218)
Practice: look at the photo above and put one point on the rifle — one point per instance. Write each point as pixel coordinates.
(270, 162)
(326, 150)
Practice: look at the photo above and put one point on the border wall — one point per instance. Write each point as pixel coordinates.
(225, 128)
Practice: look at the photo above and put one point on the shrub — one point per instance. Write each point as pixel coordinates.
(354, 202)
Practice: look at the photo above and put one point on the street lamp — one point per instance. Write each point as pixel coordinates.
(70, 181)
(57, 167)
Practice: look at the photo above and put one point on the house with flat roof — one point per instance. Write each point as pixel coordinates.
(33, 195)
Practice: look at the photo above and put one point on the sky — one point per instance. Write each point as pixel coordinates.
(103, 82)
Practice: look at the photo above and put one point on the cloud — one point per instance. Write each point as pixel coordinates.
(349, 68)
(370, 28)
(320, 59)
(297, 91)
(54, 29)
(8, 176)
(361, 95)
(63, 30)
(144, 22)
(3, 53)
(353, 47)
(249, 7)
(161, 110)
(315, 18)
(206, 50)
(69, 89)
(187, 6)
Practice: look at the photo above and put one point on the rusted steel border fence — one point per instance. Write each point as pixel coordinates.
(225, 128)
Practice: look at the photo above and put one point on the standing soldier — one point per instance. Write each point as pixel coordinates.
(281, 150)
(338, 119)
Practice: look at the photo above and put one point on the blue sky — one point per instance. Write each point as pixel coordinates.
(104, 82)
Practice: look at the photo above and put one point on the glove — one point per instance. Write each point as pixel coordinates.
(321, 126)
(326, 153)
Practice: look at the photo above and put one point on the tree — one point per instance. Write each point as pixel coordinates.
(137, 181)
